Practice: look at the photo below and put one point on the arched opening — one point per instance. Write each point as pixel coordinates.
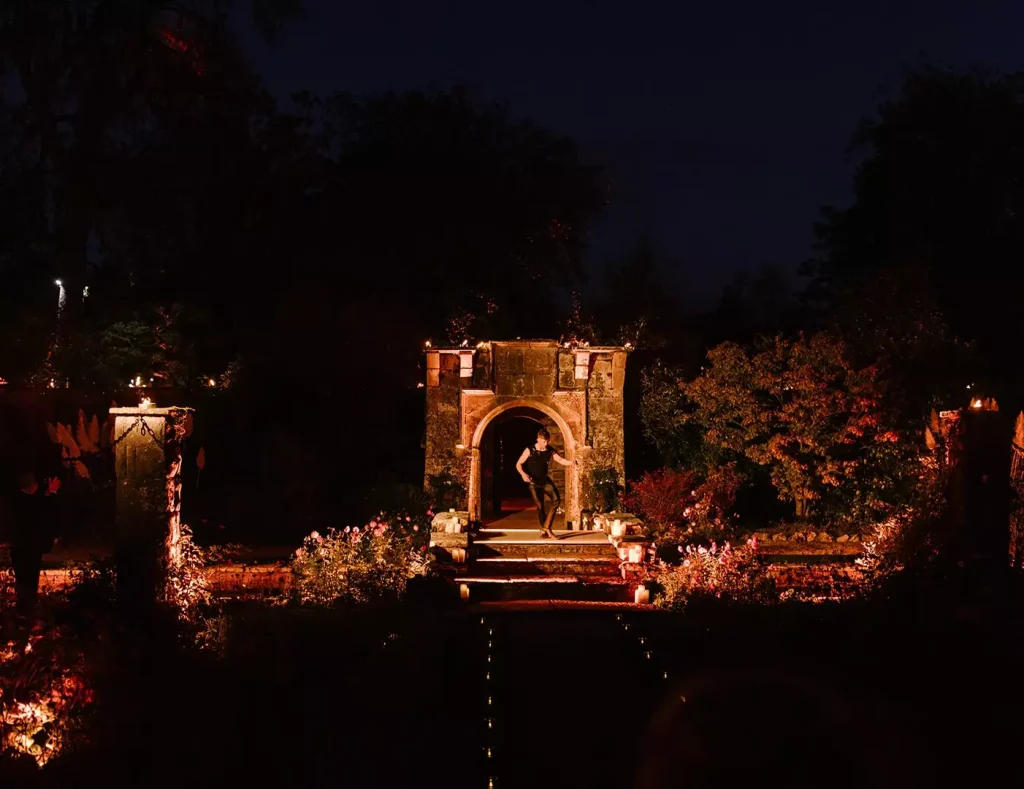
(502, 492)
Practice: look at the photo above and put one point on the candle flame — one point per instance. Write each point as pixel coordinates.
(146, 403)
(976, 403)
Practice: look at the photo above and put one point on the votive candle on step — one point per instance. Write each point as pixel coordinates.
(464, 591)
(642, 595)
(636, 553)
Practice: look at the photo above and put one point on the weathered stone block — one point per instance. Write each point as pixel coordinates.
(618, 371)
(449, 541)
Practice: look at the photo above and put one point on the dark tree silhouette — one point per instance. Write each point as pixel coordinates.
(930, 247)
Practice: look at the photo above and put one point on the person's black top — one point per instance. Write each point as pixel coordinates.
(33, 521)
(536, 466)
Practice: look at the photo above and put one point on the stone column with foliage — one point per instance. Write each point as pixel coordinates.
(147, 447)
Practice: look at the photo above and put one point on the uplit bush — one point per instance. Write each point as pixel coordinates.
(360, 565)
(736, 575)
(45, 690)
(187, 590)
(677, 506)
(914, 534)
(663, 499)
(711, 515)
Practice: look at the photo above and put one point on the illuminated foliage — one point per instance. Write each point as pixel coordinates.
(798, 408)
(678, 505)
(356, 565)
(727, 573)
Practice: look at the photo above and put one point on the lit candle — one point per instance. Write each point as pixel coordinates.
(636, 553)
(618, 528)
(463, 591)
(642, 596)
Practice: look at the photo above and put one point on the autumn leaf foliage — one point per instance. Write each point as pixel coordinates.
(797, 407)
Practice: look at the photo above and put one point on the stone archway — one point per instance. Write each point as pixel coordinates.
(580, 389)
(571, 485)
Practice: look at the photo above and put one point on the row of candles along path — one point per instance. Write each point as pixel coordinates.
(489, 691)
(644, 641)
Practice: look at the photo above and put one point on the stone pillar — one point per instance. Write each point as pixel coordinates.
(147, 460)
(985, 469)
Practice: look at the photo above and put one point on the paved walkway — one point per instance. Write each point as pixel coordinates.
(524, 519)
(495, 535)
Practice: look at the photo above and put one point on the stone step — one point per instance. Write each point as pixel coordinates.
(547, 587)
(565, 564)
(493, 548)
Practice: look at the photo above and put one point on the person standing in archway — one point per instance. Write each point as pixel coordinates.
(533, 468)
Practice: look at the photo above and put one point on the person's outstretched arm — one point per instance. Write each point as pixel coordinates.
(561, 461)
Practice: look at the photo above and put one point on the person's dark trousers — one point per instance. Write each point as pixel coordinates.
(27, 562)
(541, 492)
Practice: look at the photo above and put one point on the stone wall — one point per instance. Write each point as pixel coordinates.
(831, 580)
(580, 390)
(224, 579)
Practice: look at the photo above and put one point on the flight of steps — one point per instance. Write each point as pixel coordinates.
(519, 565)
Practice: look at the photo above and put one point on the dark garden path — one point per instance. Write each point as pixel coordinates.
(564, 696)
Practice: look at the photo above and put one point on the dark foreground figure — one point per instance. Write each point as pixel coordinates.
(33, 531)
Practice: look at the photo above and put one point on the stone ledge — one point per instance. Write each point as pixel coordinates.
(443, 520)
(440, 539)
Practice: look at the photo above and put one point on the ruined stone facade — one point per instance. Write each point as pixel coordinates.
(575, 392)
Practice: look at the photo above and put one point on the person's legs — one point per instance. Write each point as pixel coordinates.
(537, 491)
(551, 491)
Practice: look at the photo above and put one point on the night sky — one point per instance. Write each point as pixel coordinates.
(723, 126)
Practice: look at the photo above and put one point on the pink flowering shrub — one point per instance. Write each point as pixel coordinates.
(714, 572)
(711, 515)
(677, 505)
(360, 565)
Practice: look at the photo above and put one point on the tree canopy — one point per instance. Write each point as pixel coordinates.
(798, 408)
(927, 255)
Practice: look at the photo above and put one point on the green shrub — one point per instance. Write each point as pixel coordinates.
(605, 489)
(446, 491)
